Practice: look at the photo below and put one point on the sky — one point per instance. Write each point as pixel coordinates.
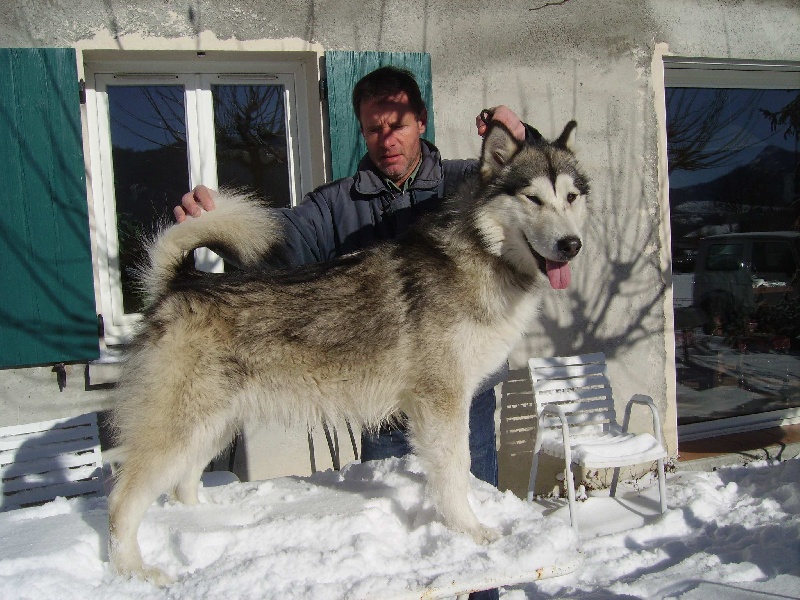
(368, 532)
(741, 110)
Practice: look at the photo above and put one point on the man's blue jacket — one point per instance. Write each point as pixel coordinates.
(354, 212)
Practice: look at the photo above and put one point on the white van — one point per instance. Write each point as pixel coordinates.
(736, 272)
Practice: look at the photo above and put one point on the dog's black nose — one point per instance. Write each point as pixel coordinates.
(569, 246)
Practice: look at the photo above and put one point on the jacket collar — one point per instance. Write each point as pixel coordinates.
(369, 181)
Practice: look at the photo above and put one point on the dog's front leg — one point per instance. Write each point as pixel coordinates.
(440, 438)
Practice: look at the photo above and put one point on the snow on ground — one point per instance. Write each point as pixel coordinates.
(733, 533)
(367, 533)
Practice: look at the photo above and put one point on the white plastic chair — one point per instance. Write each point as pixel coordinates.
(40, 461)
(577, 422)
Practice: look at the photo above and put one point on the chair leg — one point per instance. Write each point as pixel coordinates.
(662, 485)
(573, 514)
(614, 482)
(532, 478)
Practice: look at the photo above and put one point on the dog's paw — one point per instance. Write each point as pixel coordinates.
(145, 573)
(485, 535)
(156, 576)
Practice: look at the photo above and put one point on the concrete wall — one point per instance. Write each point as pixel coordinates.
(598, 62)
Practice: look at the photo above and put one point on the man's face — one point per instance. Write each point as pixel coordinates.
(392, 132)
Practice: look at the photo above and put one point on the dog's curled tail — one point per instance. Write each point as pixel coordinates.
(240, 227)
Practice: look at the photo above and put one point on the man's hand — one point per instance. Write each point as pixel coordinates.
(501, 114)
(194, 203)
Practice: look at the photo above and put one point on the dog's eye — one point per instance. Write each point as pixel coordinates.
(571, 197)
(535, 200)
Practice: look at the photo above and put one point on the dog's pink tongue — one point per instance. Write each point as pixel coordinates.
(558, 273)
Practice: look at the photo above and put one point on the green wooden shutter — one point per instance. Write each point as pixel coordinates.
(47, 309)
(343, 70)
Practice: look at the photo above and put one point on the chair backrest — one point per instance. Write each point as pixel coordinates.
(578, 384)
(40, 461)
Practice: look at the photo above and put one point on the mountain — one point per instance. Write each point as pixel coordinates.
(765, 181)
(761, 194)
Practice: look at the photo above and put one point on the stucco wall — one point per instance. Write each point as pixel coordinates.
(550, 61)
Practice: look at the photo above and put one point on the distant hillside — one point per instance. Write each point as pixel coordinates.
(746, 197)
(766, 173)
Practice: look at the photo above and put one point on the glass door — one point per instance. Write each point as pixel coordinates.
(733, 138)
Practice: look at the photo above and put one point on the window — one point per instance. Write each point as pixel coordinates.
(733, 140)
(774, 262)
(157, 129)
(724, 257)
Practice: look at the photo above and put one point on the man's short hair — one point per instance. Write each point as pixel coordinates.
(385, 82)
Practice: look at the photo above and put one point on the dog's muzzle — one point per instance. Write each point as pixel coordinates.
(558, 272)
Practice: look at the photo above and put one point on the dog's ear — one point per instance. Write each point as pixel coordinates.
(499, 147)
(567, 137)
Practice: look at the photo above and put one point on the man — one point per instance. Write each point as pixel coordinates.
(401, 177)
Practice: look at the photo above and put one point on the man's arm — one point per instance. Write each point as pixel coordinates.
(310, 230)
(501, 114)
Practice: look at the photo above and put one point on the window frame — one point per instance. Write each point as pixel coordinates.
(729, 73)
(196, 75)
(698, 72)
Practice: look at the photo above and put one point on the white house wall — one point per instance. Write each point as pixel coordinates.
(595, 61)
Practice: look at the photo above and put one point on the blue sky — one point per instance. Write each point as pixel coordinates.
(759, 132)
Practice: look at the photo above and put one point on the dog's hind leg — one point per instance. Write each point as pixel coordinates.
(139, 483)
(186, 489)
(146, 473)
(440, 438)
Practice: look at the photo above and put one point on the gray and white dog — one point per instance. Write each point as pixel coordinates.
(412, 326)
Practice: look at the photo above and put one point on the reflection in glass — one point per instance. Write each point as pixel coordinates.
(250, 130)
(735, 213)
(148, 140)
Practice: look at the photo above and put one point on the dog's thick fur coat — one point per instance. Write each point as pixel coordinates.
(412, 326)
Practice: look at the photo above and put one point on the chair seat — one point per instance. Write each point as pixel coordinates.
(608, 450)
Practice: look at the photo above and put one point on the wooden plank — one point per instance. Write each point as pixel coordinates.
(517, 386)
(595, 382)
(587, 401)
(600, 406)
(48, 438)
(43, 439)
(51, 463)
(593, 420)
(25, 428)
(580, 359)
(512, 412)
(564, 372)
(30, 453)
(68, 490)
(51, 478)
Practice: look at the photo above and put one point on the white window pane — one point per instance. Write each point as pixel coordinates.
(150, 169)
(251, 140)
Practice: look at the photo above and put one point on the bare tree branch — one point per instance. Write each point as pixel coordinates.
(699, 132)
(789, 115)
